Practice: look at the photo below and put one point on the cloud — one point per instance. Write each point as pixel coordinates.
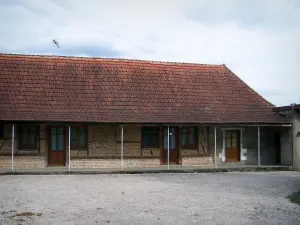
(258, 40)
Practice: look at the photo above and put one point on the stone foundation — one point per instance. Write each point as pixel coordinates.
(114, 163)
(23, 162)
(197, 161)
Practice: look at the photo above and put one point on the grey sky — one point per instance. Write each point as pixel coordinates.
(258, 40)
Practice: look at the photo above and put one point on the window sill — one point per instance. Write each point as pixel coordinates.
(32, 153)
(150, 147)
(27, 151)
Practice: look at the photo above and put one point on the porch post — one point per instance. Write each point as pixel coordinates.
(168, 147)
(258, 145)
(69, 149)
(12, 146)
(122, 163)
(216, 165)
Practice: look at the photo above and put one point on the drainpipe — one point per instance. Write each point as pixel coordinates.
(168, 148)
(12, 146)
(258, 144)
(216, 165)
(122, 148)
(69, 149)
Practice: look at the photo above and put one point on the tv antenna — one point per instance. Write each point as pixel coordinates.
(56, 43)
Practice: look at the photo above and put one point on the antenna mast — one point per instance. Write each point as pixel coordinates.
(56, 43)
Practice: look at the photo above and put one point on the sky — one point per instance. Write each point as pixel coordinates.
(259, 40)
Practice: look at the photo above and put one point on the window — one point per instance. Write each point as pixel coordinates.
(189, 138)
(150, 137)
(232, 139)
(28, 136)
(57, 139)
(172, 138)
(78, 137)
(1, 130)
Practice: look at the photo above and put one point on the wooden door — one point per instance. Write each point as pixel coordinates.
(57, 151)
(277, 144)
(173, 146)
(232, 145)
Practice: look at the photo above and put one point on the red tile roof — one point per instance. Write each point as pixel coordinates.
(75, 89)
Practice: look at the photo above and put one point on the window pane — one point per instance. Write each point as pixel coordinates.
(233, 135)
(165, 138)
(149, 140)
(234, 140)
(53, 139)
(33, 134)
(73, 135)
(191, 136)
(234, 143)
(183, 136)
(150, 136)
(82, 136)
(228, 142)
(60, 139)
(23, 134)
(173, 138)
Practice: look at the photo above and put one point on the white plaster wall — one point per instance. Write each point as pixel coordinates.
(286, 146)
(296, 140)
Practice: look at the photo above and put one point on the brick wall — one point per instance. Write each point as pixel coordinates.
(132, 140)
(103, 141)
(202, 148)
(151, 152)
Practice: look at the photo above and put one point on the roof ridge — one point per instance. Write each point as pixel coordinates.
(250, 88)
(109, 58)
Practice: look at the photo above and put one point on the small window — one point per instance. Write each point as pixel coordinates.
(78, 137)
(150, 137)
(28, 136)
(189, 138)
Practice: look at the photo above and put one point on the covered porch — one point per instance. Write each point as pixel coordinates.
(125, 146)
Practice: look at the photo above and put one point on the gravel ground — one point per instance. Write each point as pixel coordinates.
(220, 198)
